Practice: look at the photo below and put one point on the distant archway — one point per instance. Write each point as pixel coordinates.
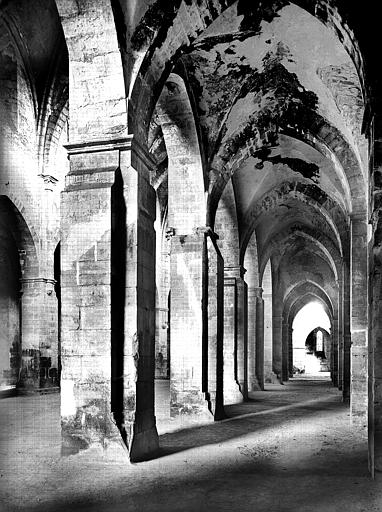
(311, 340)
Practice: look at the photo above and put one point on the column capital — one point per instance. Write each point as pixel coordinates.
(358, 217)
(98, 146)
(234, 271)
(206, 230)
(114, 148)
(49, 181)
(31, 283)
(256, 291)
(198, 232)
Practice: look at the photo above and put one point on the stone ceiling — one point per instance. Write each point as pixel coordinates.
(266, 83)
(37, 28)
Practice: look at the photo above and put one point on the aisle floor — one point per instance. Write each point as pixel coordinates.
(290, 448)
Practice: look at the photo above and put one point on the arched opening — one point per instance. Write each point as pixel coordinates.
(266, 144)
(319, 344)
(311, 341)
(29, 355)
(10, 301)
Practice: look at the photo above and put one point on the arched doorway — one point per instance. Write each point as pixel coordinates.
(311, 341)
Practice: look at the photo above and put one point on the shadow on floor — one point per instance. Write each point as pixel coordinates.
(288, 449)
(269, 408)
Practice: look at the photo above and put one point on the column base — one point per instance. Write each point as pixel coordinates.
(80, 433)
(215, 407)
(111, 450)
(144, 445)
(233, 396)
(254, 385)
(191, 409)
(191, 402)
(272, 378)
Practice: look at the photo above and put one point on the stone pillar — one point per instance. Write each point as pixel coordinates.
(235, 335)
(359, 321)
(139, 424)
(254, 293)
(290, 344)
(375, 356)
(242, 336)
(269, 376)
(213, 326)
(39, 355)
(252, 380)
(231, 387)
(334, 363)
(162, 356)
(338, 354)
(277, 321)
(277, 346)
(260, 338)
(346, 336)
(108, 299)
(285, 351)
(186, 348)
(375, 295)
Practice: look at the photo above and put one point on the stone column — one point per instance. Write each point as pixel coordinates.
(290, 344)
(252, 380)
(285, 351)
(213, 326)
(338, 354)
(139, 424)
(277, 321)
(375, 353)
(334, 363)
(269, 375)
(162, 355)
(108, 299)
(242, 336)
(346, 361)
(253, 295)
(277, 346)
(186, 348)
(375, 295)
(260, 338)
(235, 335)
(359, 321)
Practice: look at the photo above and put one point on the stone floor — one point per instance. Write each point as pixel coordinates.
(290, 448)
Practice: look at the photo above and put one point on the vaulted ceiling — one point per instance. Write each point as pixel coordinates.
(279, 106)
